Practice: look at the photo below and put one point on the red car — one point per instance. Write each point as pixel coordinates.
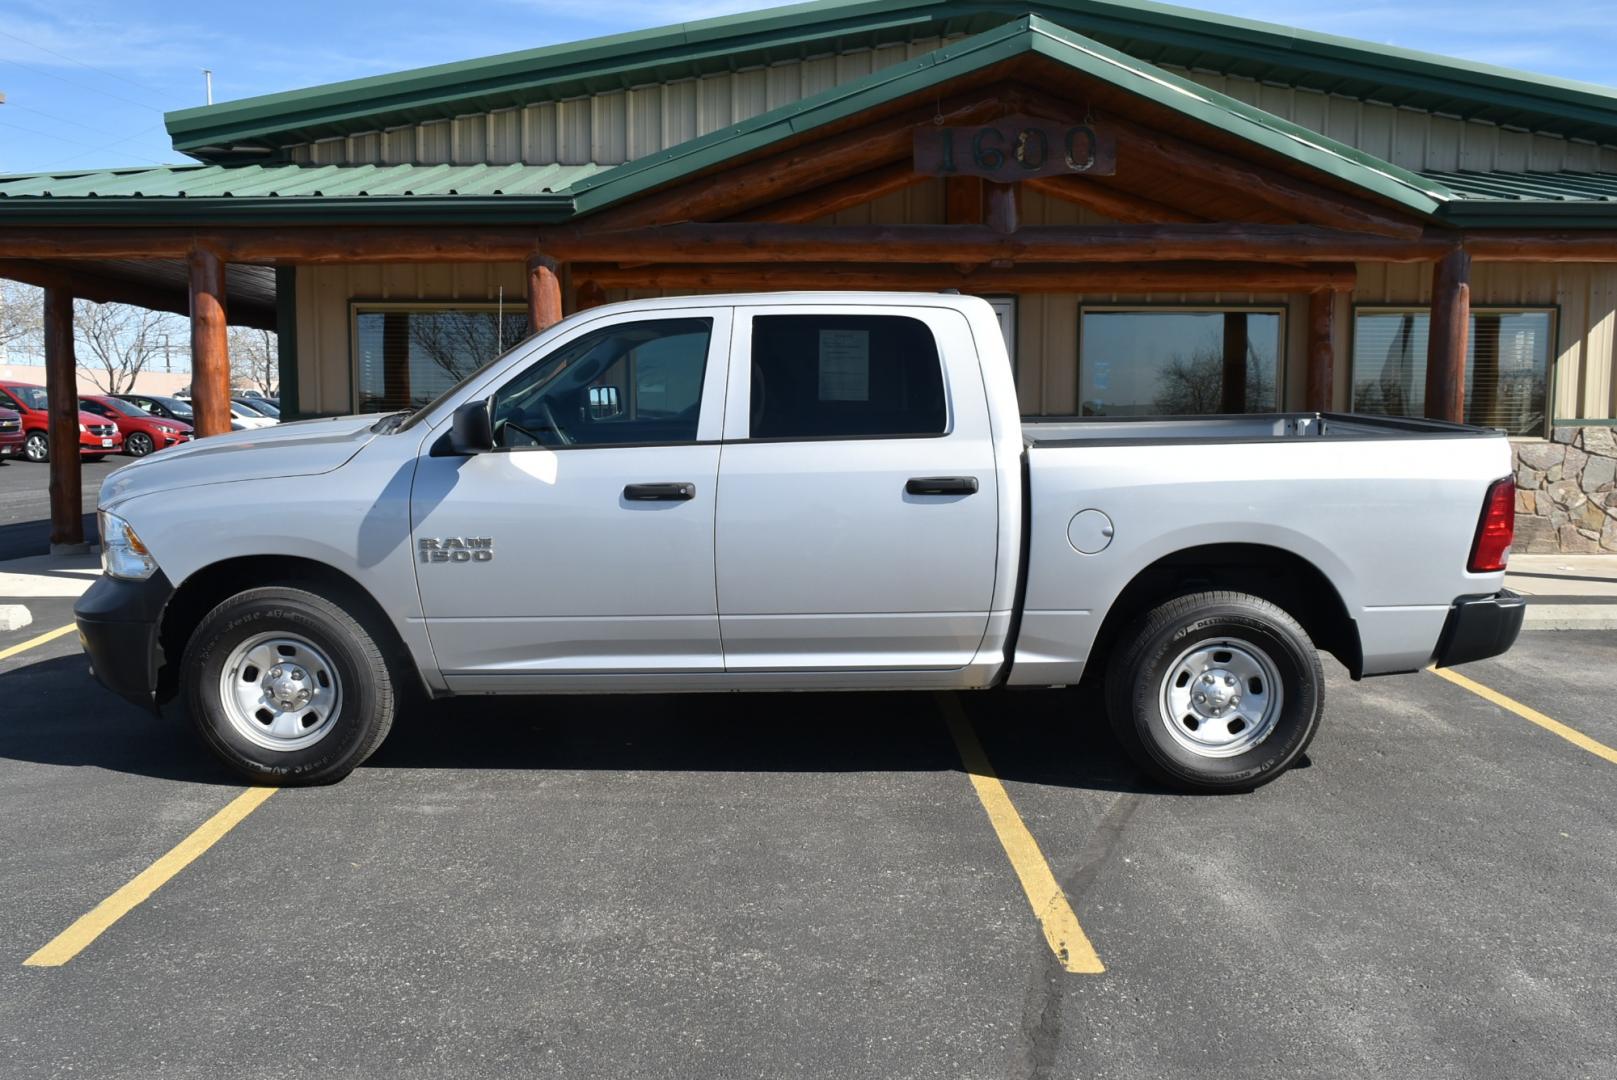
(98, 436)
(142, 432)
(10, 433)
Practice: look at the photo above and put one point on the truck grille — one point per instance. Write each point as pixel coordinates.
(104, 431)
(10, 425)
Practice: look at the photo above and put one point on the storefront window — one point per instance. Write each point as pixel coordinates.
(1172, 362)
(1506, 366)
(408, 355)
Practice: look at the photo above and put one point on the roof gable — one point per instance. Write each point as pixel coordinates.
(1153, 32)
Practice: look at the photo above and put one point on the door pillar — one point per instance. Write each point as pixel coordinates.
(62, 388)
(1446, 342)
(210, 343)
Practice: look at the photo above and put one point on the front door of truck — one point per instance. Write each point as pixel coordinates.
(580, 551)
(858, 505)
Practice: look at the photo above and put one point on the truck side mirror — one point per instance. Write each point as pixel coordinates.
(471, 431)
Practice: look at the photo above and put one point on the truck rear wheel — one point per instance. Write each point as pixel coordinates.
(1215, 692)
(288, 688)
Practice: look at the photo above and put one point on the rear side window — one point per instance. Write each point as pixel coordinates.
(845, 376)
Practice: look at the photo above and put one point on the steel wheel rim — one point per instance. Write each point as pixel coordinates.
(1221, 697)
(35, 448)
(139, 444)
(280, 691)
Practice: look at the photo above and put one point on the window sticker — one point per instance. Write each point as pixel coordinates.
(844, 365)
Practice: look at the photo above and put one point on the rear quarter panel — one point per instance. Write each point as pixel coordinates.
(1389, 522)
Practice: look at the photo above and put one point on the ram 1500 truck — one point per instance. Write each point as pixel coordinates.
(793, 492)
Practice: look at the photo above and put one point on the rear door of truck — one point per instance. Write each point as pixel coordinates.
(857, 521)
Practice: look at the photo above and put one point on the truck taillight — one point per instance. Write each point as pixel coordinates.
(1491, 548)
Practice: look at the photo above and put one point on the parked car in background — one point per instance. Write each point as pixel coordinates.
(98, 436)
(259, 405)
(245, 418)
(10, 433)
(143, 433)
(166, 408)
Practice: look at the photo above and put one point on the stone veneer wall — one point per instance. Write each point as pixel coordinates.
(1566, 492)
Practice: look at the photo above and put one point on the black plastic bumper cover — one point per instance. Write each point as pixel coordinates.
(1479, 627)
(118, 622)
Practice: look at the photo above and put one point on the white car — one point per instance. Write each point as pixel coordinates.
(245, 419)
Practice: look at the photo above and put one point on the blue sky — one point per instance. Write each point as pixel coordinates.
(86, 81)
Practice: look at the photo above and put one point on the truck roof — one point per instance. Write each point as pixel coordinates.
(775, 299)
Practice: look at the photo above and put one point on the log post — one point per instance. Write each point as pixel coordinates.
(210, 343)
(1321, 350)
(1232, 398)
(1446, 342)
(62, 389)
(1002, 207)
(544, 293)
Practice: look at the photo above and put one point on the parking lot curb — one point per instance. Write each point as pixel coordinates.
(15, 617)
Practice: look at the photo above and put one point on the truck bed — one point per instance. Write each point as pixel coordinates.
(1057, 431)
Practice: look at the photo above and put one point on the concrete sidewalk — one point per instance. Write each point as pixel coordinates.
(1566, 592)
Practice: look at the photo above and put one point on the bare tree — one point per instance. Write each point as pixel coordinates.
(22, 318)
(116, 341)
(1195, 386)
(255, 359)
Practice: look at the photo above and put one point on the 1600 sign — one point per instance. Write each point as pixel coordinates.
(1015, 148)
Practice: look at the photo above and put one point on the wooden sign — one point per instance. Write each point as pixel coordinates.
(1015, 148)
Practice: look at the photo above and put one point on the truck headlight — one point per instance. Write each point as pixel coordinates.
(122, 553)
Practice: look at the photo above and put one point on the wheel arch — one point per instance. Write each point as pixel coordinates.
(210, 585)
(1282, 577)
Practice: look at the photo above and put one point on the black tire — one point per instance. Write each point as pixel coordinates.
(367, 705)
(139, 444)
(95, 457)
(1137, 691)
(37, 447)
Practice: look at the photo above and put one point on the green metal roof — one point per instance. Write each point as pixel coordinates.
(1156, 33)
(186, 193)
(1029, 35)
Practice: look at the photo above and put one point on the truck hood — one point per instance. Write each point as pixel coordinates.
(304, 448)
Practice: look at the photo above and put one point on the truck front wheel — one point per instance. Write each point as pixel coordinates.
(1215, 692)
(288, 688)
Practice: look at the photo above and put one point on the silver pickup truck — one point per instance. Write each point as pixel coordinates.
(793, 492)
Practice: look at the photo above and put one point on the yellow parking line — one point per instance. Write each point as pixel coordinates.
(1061, 929)
(72, 941)
(1571, 735)
(49, 635)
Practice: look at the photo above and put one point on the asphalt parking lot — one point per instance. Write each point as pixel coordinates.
(25, 508)
(808, 885)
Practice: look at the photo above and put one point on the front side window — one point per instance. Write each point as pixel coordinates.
(845, 376)
(1507, 366)
(630, 383)
(1166, 362)
(407, 356)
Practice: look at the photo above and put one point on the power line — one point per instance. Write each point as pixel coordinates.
(76, 142)
(81, 63)
(82, 86)
(10, 105)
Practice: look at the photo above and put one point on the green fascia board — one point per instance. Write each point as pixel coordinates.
(289, 210)
(1222, 42)
(1029, 34)
(1483, 214)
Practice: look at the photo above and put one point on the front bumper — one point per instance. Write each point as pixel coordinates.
(118, 623)
(1479, 627)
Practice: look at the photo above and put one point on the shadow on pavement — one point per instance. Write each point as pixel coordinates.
(52, 712)
(24, 538)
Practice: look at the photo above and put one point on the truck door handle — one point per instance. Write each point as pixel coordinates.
(659, 492)
(942, 485)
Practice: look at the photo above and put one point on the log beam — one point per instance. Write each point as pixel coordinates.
(1122, 206)
(830, 198)
(1321, 350)
(62, 391)
(1446, 341)
(210, 346)
(588, 295)
(86, 283)
(1155, 277)
(544, 293)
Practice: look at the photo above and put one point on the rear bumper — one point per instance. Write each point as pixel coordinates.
(118, 623)
(1479, 627)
